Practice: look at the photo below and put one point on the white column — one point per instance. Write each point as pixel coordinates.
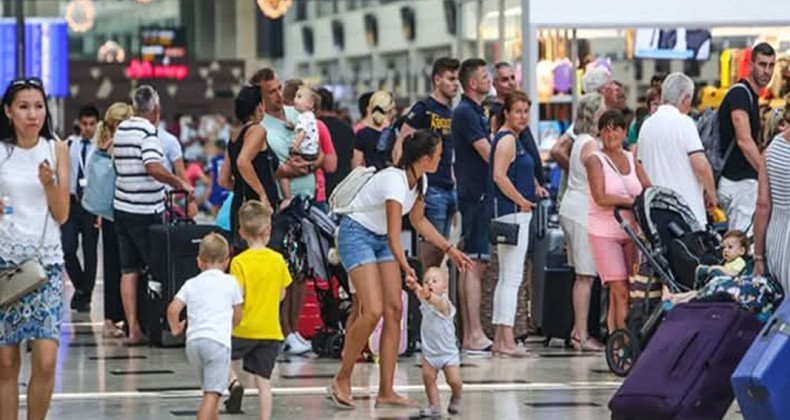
(529, 62)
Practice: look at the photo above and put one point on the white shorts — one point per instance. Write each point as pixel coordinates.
(443, 361)
(213, 361)
(580, 255)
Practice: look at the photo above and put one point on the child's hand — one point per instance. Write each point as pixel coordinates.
(411, 282)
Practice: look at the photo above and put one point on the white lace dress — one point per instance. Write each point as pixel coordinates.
(38, 314)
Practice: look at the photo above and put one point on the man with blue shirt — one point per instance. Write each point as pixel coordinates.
(302, 178)
(81, 223)
(471, 137)
(435, 113)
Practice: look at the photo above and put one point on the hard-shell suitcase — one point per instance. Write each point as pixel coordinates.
(684, 371)
(172, 260)
(552, 239)
(762, 379)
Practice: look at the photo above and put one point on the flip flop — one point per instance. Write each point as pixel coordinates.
(233, 403)
(336, 401)
(483, 351)
(401, 402)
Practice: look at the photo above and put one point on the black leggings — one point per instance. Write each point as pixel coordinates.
(113, 307)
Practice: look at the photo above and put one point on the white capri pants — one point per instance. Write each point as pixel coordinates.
(511, 271)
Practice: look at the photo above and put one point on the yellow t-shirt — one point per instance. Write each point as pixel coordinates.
(262, 275)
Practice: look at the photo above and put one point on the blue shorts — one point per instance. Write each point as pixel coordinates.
(476, 214)
(358, 246)
(440, 206)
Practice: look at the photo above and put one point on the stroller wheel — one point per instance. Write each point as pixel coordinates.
(622, 350)
(334, 344)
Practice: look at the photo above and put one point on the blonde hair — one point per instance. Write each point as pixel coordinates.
(441, 273)
(379, 107)
(774, 118)
(105, 130)
(214, 249)
(254, 219)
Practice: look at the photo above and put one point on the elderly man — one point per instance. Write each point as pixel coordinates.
(671, 151)
(139, 195)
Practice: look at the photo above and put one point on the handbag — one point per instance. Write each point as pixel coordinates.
(99, 191)
(504, 233)
(28, 275)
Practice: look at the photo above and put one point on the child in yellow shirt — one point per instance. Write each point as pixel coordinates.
(263, 276)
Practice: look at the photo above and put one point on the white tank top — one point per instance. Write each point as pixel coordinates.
(20, 237)
(575, 202)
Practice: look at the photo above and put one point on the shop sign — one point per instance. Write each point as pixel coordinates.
(146, 70)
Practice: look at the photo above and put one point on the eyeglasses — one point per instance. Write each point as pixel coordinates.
(27, 81)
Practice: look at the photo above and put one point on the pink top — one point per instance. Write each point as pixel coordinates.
(600, 220)
(327, 148)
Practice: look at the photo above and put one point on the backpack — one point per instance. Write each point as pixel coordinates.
(345, 192)
(708, 128)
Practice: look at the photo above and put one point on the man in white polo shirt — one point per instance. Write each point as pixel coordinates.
(671, 151)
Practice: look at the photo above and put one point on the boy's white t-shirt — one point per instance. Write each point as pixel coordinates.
(210, 297)
(389, 184)
(306, 122)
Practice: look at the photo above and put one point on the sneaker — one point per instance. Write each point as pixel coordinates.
(302, 339)
(294, 346)
(454, 408)
(430, 412)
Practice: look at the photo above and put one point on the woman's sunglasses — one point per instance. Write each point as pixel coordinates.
(27, 81)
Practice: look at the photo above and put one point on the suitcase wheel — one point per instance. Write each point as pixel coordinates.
(622, 350)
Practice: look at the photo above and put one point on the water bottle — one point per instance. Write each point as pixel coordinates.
(8, 209)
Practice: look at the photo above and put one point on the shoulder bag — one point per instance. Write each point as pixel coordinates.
(504, 233)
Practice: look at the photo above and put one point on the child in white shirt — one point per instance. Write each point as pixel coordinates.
(215, 306)
(305, 143)
(439, 347)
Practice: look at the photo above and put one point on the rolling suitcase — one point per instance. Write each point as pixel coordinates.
(546, 240)
(762, 379)
(684, 371)
(173, 250)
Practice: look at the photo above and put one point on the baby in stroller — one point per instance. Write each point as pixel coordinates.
(734, 252)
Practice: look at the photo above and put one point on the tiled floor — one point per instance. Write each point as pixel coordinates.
(101, 379)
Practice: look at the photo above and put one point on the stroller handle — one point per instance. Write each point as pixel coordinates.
(618, 216)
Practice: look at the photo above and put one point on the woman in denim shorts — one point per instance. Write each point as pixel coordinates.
(371, 252)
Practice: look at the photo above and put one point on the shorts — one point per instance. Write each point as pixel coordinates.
(443, 361)
(614, 257)
(580, 256)
(440, 206)
(259, 356)
(213, 359)
(476, 215)
(358, 246)
(132, 230)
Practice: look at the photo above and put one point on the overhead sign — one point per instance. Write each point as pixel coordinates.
(46, 53)
(146, 70)
(162, 44)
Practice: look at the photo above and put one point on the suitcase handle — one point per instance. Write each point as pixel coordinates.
(170, 208)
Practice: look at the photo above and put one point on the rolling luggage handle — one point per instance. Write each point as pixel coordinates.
(171, 211)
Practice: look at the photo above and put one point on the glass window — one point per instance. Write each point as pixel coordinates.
(301, 10)
(351, 4)
(325, 7)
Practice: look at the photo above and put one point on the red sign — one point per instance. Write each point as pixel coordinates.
(146, 70)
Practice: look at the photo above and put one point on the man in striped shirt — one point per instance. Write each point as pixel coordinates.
(139, 194)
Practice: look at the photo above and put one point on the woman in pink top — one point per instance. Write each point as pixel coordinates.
(615, 180)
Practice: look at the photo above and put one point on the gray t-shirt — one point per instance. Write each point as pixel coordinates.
(438, 330)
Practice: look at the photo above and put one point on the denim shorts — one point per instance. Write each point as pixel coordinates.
(476, 214)
(359, 246)
(440, 206)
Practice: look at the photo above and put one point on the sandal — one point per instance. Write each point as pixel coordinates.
(233, 403)
(337, 401)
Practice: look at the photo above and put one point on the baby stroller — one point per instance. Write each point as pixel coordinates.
(672, 245)
(330, 281)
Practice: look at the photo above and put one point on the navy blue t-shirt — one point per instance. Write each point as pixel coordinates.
(528, 141)
(469, 125)
(366, 141)
(437, 117)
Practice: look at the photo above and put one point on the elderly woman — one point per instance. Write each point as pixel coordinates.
(573, 217)
(615, 178)
(34, 178)
(515, 194)
(772, 219)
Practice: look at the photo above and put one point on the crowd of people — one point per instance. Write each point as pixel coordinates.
(477, 158)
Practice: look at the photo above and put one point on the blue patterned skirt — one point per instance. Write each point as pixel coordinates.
(38, 314)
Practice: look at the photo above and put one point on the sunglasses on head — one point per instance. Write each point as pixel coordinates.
(27, 81)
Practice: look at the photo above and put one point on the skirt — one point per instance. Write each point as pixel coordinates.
(36, 315)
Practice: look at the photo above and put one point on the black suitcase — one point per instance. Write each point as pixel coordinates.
(172, 260)
(558, 300)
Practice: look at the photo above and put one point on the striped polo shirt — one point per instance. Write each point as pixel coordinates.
(136, 144)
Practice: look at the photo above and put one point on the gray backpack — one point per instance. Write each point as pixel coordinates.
(708, 128)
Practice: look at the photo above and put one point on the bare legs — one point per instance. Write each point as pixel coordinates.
(129, 299)
(42, 379)
(469, 289)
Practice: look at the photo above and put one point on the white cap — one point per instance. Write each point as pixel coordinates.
(595, 79)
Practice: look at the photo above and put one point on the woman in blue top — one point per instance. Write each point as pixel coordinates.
(514, 193)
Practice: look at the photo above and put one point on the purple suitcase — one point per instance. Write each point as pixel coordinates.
(684, 371)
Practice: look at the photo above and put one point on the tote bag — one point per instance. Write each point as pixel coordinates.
(99, 192)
